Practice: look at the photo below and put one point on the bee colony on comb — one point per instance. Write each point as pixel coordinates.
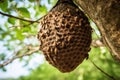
(65, 36)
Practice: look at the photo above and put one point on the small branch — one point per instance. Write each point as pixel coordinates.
(11, 27)
(102, 70)
(97, 43)
(8, 15)
(31, 51)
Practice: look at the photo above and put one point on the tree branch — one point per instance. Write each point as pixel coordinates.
(11, 27)
(8, 15)
(111, 77)
(106, 15)
(30, 52)
(97, 43)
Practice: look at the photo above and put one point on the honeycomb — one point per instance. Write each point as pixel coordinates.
(65, 36)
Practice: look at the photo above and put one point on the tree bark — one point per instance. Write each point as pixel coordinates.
(106, 15)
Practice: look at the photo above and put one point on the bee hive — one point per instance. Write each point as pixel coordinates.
(65, 36)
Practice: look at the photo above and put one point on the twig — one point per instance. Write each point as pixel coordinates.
(97, 43)
(111, 77)
(31, 21)
(11, 27)
(31, 51)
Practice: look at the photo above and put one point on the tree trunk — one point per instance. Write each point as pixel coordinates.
(106, 15)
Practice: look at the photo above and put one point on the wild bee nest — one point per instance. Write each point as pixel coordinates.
(65, 36)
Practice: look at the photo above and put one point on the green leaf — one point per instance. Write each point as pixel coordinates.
(24, 12)
(2, 56)
(26, 29)
(32, 0)
(19, 34)
(3, 69)
(4, 5)
(11, 20)
(49, 1)
(40, 10)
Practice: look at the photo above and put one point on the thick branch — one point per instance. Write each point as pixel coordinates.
(106, 15)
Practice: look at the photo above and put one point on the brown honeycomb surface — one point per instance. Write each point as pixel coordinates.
(65, 37)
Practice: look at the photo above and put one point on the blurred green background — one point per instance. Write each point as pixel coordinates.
(17, 35)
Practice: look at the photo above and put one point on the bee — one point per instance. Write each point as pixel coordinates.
(69, 38)
(55, 51)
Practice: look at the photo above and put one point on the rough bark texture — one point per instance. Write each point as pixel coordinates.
(106, 15)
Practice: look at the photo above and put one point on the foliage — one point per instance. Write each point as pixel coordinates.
(85, 71)
(17, 35)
